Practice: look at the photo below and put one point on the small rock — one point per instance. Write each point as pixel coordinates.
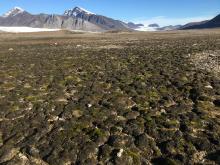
(163, 111)
(53, 118)
(61, 119)
(89, 105)
(119, 154)
(64, 100)
(132, 115)
(23, 158)
(121, 118)
(113, 113)
(10, 49)
(198, 157)
(77, 113)
(61, 129)
(209, 87)
(30, 106)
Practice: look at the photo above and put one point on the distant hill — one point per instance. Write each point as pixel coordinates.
(154, 25)
(170, 27)
(134, 26)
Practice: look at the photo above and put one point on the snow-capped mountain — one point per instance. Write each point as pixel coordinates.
(18, 17)
(103, 22)
(73, 19)
(82, 19)
(13, 12)
(77, 10)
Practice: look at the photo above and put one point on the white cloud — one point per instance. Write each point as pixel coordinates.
(165, 21)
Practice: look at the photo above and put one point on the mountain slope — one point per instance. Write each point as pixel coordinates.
(103, 22)
(13, 12)
(19, 17)
(213, 23)
(73, 19)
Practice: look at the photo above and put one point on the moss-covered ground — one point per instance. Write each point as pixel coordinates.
(111, 98)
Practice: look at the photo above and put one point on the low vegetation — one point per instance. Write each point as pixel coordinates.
(123, 98)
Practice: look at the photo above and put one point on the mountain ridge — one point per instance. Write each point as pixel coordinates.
(79, 18)
(213, 23)
(72, 19)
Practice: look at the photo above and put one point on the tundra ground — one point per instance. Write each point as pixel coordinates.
(110, 98)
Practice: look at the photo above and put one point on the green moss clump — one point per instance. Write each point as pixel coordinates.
(15, 108)
(96, 133)
(153, 95)
(163, 90)
(205, 105)
(135, 156)
(33, 98)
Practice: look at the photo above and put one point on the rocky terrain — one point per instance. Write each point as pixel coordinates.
(110, 98)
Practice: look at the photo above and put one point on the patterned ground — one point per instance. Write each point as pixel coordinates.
(115, 98)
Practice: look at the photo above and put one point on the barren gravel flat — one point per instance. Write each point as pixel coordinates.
(121, 98)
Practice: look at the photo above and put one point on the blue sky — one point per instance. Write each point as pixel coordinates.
(163, 12)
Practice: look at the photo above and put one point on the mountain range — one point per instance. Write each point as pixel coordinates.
(82, 19)
(73, 19)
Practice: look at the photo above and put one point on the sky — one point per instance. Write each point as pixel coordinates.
(163, 12)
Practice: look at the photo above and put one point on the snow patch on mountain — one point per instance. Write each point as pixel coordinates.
(13, 12)
(24, 29)
(77, 10)
(84, 10)
(146, 28)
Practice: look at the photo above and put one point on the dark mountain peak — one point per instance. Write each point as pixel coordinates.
(218, 16)
(133, 25)
(213, 23)
(169, 27)
(14, 12)
(153, 25)
(216, 19)
(76, 11)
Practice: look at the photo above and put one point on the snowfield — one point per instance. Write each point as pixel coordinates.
(24, 29)
(145, 28)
